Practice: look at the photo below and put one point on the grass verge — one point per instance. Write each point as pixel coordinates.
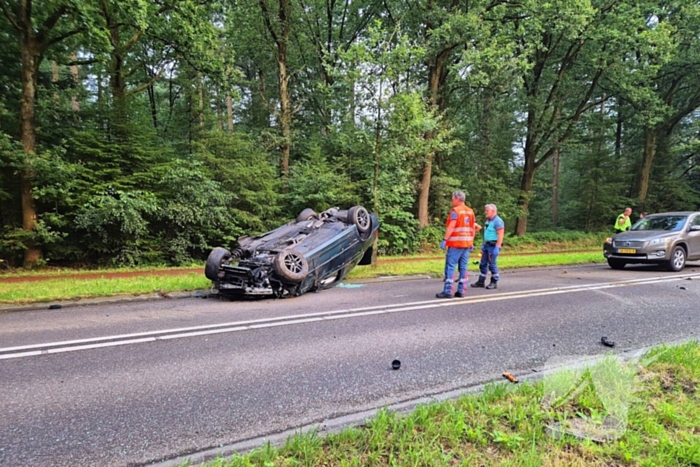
(67, 289)
(508, 425)
(436, 267)
(85, 287)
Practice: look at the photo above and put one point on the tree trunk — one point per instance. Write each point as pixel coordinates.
(74, 103)
(229, 111)
(30, 65)
(280, 36)
(555, 189)
(424, 192)
(117, 82)
(285, 110)
(650, 135)
(200, 88)
(526, 188)
(435, 70)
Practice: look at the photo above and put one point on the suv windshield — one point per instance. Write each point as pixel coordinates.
(670, 223)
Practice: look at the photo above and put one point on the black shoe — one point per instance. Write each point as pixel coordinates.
(459, 295)
(443, 295)
(477, 284)
(492, 285)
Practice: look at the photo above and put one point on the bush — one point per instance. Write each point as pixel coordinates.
(555, 239)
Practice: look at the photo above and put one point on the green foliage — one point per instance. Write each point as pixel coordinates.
(318, 184)
(192, 211)
(561, 237)
(115, 225)
(169, 114)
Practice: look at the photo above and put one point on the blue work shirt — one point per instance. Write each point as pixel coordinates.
(491, 229)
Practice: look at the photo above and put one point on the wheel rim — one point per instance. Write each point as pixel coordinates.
(293, 263)
(678, 259)
(363, 219)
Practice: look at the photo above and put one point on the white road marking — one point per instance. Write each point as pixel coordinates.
(204, 330)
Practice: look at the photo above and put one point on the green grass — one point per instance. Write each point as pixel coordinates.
(73, 288)
(435, 267)
(65, 289)
(506, 426)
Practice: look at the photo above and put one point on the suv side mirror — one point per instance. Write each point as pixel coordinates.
(695, 228)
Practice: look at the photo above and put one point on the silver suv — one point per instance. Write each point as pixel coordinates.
(668, 238)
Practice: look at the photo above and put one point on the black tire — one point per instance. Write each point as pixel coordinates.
(217, 257)
(616, 263)
(306, 214)
(677, 261)
(359, 216)
(291, 266)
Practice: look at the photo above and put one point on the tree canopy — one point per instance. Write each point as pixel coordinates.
(137, 132)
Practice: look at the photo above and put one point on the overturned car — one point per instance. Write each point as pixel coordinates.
(314, 252)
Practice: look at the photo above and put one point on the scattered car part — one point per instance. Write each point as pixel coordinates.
(604, 340)
(510, 377)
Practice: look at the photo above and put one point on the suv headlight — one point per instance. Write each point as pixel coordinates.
(608, 240)
(659, 241)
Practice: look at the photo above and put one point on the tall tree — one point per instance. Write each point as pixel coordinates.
(39, 27)
(279, 27)
(569, 45)
(661, 82)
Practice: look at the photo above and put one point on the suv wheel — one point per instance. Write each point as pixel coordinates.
(616, 263)
(677, 261)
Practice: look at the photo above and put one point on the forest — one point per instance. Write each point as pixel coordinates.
(137, 132)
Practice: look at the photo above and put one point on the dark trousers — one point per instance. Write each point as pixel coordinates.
(488, 262)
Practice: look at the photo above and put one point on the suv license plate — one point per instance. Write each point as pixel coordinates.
(626, 250)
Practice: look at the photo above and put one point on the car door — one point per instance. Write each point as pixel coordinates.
(694, 237)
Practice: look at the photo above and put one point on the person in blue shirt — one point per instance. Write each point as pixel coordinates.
(494, 230)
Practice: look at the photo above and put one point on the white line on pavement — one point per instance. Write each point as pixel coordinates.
(204, 330)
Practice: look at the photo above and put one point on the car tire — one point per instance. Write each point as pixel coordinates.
(359, 216)
(616, 263)
(291, 266)
(217, 257)
(306, 214)
(677, 261)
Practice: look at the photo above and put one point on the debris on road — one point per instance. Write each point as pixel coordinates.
(344, 285)
(395, 365)
(55, 307)
(606, 342)
(510, 377)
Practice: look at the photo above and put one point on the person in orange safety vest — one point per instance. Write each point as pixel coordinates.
(458, 241)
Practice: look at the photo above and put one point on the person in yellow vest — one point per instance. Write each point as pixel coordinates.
(623, 222)
(458, 240)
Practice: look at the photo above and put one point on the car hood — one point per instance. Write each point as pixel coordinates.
(643, 235)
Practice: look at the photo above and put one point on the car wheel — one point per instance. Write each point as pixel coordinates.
(616, 263)
(306, 214)
(359, 216)
(217, 257)
(677, 261)
(291, 266)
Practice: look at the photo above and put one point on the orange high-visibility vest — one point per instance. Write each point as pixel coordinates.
(463, 234)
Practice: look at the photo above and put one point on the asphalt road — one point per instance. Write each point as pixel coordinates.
(138, 383)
